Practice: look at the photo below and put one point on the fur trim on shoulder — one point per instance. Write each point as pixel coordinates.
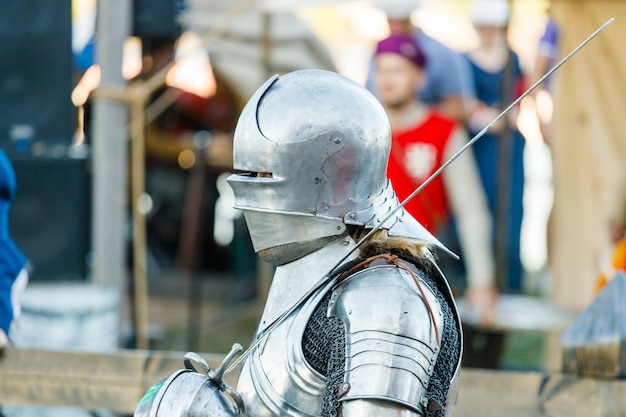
(408, 249)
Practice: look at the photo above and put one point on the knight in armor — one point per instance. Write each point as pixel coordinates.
(351, 327)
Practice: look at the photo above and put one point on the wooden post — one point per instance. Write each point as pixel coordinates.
(110, 138)
(138, 174)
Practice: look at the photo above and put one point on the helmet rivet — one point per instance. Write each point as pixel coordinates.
(318, 181)
(337, 141)
(338, 227)
(353, 216)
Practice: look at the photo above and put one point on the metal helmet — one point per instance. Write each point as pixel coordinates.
(310, 154)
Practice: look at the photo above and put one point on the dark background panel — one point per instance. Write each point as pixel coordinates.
(36, 71)
(50, 216)
(156, 19)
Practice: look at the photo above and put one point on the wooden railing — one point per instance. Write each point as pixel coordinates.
(116, 381)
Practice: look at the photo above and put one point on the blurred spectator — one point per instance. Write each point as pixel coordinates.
(448, 84)
(547, 50)
(13, 273)
(422, 140)
(498, 80)
(546, 58)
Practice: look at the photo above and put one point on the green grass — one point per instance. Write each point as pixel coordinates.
(522, 351)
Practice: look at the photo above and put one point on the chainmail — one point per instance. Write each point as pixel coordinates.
(324, 347)
(449, 355)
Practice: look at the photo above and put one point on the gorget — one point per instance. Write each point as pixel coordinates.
(275, 379)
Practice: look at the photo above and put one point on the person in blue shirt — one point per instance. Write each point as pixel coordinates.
(499, 80)
(448, 85)
(13, 272)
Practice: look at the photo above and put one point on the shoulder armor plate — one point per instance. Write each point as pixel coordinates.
(391, 342)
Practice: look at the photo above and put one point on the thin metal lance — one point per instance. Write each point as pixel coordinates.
(475, 138)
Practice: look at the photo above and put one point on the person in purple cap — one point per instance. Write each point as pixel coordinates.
(422, 140)
(449, 84)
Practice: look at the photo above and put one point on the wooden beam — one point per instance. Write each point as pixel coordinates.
(93, 381)
(524, 394)
(116, 381)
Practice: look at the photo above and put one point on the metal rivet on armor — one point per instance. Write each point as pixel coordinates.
(338, 227)
(406, 312)
(318, 181)
(343, 389)
(349, 311)
(352, 215)
(337, 141)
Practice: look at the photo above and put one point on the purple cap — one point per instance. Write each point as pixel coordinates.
(404, 46)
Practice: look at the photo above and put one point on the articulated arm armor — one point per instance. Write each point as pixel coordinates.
(392, 337)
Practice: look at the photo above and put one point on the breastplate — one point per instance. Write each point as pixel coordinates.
(275, 379)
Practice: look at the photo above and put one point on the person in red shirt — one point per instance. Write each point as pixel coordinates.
(422, 140)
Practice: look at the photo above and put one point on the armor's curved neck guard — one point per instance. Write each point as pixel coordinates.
(293, 280)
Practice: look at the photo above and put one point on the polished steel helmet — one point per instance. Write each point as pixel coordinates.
(310, 154)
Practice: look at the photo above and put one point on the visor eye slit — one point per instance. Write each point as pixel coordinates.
(244, 173)
(252, 174)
